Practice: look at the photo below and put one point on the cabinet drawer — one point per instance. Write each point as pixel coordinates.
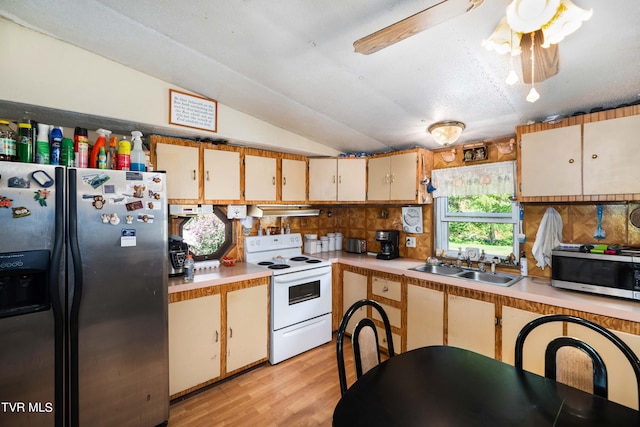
(382, 340)
(394, 314)
(386, 288)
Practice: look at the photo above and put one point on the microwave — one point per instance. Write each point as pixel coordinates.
(603, 274)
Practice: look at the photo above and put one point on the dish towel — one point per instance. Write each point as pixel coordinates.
(549, 236)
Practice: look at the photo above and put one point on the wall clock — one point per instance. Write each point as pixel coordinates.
(412, 219)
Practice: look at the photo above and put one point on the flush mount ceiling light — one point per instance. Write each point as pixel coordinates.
(551, 20)
(446, 132)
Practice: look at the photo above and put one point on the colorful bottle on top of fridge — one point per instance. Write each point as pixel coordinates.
(24, 144)
(81, 147)
(43, 151)
(101, 142)
(66, 155)
(112, 153)
(124, 154)
(7, 142)
(137, 155)
(55, 137)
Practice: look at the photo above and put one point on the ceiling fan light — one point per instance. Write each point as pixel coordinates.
(446, 132)
(527, 16)
(503, 39)
(567, 20)
(533, 95)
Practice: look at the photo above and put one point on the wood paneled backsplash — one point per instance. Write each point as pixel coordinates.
(579, 222)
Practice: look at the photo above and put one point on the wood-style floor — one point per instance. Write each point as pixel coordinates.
(301, 391)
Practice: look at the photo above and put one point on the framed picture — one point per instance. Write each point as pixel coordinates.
(193, 111)
(474, 152)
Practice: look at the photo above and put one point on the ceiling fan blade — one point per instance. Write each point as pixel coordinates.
(414, 24)
(546, 60)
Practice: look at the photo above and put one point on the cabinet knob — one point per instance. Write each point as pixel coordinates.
(385, 289)
(230, 332)
(339, 179)
(284, 180)
(193, 174)
(334, 179)
(273, 180)
(594, 156)
(216, 337)
(393, 177)
(571, 160)
(208, 179)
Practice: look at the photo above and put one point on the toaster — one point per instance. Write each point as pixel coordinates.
(356, 246)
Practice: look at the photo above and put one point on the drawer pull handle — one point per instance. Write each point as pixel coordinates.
(273, 180)
(230, 332)
(216, 337)
(193, 174)
(208, 179)
(284, 180)
(385, 289)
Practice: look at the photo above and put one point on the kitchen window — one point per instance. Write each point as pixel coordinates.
(209, 236)
(475, 208)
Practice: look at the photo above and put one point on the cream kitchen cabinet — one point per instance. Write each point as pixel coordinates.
(194, 342)
(611, 156)
(183, 170)
(247, 326)
(221, 174)
(337, 179)
(294, 180)
(393, 177)
(471, 324)
(260, 178)
(425, 317)
(354, 288)
(551, 162)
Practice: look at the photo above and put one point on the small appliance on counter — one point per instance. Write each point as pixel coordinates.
(356, 246)
(178, 250)
(389, 244)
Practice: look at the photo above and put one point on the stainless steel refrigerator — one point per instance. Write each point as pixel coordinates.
(83, 297)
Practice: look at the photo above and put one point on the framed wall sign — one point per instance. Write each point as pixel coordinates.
(193, 111)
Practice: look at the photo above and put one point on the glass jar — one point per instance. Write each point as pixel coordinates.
(7, 142)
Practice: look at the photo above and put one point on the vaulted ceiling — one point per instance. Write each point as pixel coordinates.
(292, 63)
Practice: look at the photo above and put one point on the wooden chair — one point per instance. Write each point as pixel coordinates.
(574, 362)
(364, 339)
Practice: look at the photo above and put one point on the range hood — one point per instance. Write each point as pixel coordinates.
(260, 211)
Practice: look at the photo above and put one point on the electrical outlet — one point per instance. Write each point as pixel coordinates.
(411, 242)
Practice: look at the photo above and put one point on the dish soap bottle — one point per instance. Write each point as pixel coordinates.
(137, 154)
(188, 268)
(524, 265)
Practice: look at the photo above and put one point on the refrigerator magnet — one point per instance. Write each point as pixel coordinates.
(42, 178)
(128, 237)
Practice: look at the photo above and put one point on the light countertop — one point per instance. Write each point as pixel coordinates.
(531, 288)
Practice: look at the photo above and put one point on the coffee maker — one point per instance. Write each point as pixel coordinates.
(178, 250)
(389, 244)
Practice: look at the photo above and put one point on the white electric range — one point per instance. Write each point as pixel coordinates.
(300, 294)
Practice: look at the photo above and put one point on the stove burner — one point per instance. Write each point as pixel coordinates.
(279, 266)
(299, 258)
(314, 261)
(265, 263)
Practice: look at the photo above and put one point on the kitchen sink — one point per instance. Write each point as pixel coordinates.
(498, 279)
(438, 269)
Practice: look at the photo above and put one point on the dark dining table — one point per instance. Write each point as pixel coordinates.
(450, 386)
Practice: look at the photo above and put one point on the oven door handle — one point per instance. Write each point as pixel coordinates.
(316, 274)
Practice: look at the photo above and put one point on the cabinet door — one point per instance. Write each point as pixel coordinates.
(425, 317)
(323, 179)
(259, 178)
(513, 320)
(183, 171)
(354, 288)
(379, 178)
(221, 175)
(611, 156)
(551, 162)
(194, 342)
(294, 180)
(471, 325)
(352, 180)
(247, 326)
(403, 176)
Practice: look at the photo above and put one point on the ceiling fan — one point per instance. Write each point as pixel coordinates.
(434, 15)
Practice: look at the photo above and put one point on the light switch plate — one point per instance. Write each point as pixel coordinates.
(236, 211)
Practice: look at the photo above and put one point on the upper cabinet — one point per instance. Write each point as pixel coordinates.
(197, 173)
(393, 177)
(260, 178)
(611, 156)
(552, 162)
(586, 158)
(337, 179)
(294, 180)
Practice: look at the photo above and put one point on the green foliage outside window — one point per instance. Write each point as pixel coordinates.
(204, 234)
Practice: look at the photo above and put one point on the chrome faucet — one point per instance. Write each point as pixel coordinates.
(481, 266)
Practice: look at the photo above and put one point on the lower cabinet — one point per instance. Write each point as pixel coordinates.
(425, 317)
(354, 289)
(194, 342)
(216, 332)
(247, 327)
(471, 324)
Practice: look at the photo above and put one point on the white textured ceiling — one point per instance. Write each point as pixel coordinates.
(291, 62)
